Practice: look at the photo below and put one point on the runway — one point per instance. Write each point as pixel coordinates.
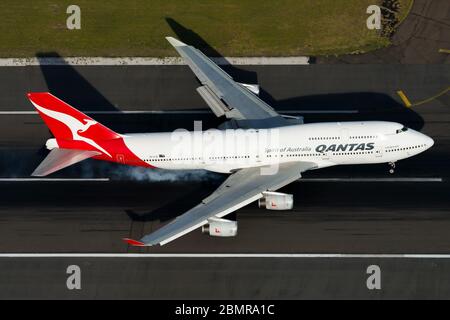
(94, 216)
(333, 213)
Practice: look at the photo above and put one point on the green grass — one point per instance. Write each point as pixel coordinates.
(233, 27)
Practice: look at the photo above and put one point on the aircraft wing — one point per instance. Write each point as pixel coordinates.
(238, 190)
(225, 96)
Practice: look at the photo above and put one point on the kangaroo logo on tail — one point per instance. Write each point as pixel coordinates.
(74, 125)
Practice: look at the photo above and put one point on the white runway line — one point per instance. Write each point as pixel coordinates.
(226, 255)
(53, 179)
(146, 61)
(185, 112)
(409, 179)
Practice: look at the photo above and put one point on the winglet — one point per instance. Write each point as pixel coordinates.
(134, 243)
(175, 42)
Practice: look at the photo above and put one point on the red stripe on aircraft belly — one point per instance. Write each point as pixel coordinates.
(121, 153)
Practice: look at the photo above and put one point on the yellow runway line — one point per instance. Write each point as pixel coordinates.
(404, 98)
(444, 50)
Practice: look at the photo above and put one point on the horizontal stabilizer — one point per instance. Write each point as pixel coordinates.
(59, 159)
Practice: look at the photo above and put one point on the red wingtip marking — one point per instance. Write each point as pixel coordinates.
(31, 95)
(134, 243)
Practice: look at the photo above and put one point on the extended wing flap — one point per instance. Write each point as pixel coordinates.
(59, 159)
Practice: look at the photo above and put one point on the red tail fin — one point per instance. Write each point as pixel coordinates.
(66, 122)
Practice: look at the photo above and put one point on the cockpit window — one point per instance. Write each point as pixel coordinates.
(402, 130)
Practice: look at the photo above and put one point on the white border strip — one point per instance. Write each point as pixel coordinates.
(146, 61)
(225, 255)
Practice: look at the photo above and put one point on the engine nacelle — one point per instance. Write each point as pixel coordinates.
(217, 227)
(276, 201)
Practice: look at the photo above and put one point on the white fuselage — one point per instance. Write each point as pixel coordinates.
(325, 144)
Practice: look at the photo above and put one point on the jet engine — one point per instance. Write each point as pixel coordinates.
(276, 201)
(220, 228)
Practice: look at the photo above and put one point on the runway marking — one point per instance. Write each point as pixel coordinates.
(146, 61)
(411, 179)
(184, 112)
(418, 103)
(53, 179)
(444, 50)
(226, 255)
(404, 98)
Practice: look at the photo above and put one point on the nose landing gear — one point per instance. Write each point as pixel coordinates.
(392, 165)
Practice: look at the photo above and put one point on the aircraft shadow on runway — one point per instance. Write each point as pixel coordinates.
(367, 106)
(192, 38)
(67, 83)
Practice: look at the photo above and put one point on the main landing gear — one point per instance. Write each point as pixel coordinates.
(392, 165)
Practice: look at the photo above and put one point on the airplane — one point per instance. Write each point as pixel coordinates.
(260, 149)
